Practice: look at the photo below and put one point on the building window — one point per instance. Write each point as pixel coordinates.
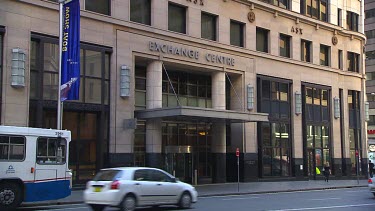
(339, 17)
(140, 87)
(237, 33)
(99, 6)
(370, 55)
(279, 3)
(370, 34)
(372, 120)
(12, 148)
(369, 13)
(340, 60)
(285, 45)
(177, 18)
(351, 21)
(317, 9)
(353, 62)
(140, 11)
(354, 128)
(317, 141)
(262, 39)
(191, 90)
(94, 73)
(306, 51)
(370, 76)
(208, 26)
(274, 140)
(324, 55)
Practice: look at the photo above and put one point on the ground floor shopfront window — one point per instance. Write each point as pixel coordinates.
(86, 118)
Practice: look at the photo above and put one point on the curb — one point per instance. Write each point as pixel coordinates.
(204, 195)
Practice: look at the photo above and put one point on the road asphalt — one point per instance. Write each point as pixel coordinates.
(234, 189)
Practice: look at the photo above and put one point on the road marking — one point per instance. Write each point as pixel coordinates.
(240, 198)
(331, 207)
(325, 199)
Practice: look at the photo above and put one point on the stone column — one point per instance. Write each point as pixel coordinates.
(153, 127)
(218, 147)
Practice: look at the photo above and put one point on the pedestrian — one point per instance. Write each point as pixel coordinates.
(370, 168)
(327, 171)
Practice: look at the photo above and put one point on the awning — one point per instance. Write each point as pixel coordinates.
(185, 113)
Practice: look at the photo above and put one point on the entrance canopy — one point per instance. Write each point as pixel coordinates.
(185, 113)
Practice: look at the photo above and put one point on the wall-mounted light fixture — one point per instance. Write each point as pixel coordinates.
(367, 107)
(18, 68)
(298, 103)
(250, 97)
(336, 107)
(124, 81)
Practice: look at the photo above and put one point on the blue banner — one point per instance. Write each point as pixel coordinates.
(70, 65)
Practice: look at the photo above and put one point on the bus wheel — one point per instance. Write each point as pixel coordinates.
(10, 196)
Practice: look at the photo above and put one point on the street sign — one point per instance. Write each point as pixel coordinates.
(237, 152)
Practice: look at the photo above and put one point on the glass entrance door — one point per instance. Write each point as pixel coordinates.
(310, 163)
(181, 166)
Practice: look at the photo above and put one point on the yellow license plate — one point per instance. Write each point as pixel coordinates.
(97, 189)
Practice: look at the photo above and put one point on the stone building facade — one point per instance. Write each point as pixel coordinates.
(281, 81)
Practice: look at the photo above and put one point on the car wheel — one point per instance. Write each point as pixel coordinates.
(97, 207)
(185, 200)
(128, 204)
(10, 196)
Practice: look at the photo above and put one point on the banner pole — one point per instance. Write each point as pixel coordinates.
(59, 123)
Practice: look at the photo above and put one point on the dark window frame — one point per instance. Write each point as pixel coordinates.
(241, 33)
(145, 20)
(327, 52)
(288, 41)
(214, 26)
(268, 98)
(93, 9)
(308, 56)
(353, 62)
(170, 17)
(279, 4)
(318, 13)
(352, 19)
(265, 33)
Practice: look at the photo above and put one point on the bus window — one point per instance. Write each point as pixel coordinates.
(12, 148)
(51, 151)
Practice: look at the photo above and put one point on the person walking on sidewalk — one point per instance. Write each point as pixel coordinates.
(327, 171)
(371, 168)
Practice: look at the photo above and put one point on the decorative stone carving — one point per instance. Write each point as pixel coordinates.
(335, 40)
(251, 16)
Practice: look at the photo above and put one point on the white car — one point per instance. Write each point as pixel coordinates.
(130, 187)
(371, 185)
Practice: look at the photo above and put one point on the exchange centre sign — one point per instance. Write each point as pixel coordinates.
(189, 53)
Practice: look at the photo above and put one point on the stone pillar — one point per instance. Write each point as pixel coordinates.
(218, 147)
(153, 127)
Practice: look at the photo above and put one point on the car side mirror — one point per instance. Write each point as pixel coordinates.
(174, 179)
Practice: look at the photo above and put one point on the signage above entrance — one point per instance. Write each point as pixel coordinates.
(192, 54)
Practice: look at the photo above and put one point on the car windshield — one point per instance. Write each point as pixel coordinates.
(107, 175)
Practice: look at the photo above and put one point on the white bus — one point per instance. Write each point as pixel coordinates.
(33, 165)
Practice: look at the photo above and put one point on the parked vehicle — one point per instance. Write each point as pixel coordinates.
(130, 187)
(371, 185)
(33, 165)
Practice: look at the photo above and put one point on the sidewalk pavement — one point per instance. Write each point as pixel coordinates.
(232, 189)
